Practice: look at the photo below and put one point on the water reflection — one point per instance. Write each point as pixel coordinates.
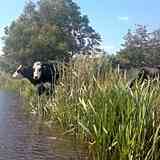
(23, 138)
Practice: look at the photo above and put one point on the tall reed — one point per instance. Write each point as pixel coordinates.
(93, 102)
(100, 109)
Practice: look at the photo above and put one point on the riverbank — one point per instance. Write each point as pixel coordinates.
(93, 103)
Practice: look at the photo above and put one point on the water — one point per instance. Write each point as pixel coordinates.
(24, 138)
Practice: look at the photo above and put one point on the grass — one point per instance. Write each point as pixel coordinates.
(93, 103)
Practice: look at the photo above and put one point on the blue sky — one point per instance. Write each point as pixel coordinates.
(111, 18)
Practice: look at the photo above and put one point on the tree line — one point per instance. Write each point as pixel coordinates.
(49, 30)
(140, 48)
(56, 30)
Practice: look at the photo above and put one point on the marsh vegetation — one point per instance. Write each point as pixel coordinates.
(93, 103)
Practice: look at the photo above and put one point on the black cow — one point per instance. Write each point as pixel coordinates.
(27, 72)
(146, 73)
(46, 73)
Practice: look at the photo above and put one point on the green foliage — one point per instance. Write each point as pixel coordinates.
(97, 107)
(140, 48)
(49, 30)
(93, 102)
(24, 87)
(115, 122)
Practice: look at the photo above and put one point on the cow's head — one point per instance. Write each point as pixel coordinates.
(18, 73)
(37, 70)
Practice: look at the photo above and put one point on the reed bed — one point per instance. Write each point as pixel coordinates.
(93, 103)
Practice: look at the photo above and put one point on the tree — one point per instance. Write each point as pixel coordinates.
(140, 47)
(48, 30)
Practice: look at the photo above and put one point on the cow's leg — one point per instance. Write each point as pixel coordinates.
(40, 89)
(47, 86)
(52, 89)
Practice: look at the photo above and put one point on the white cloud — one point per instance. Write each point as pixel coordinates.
(123, 18)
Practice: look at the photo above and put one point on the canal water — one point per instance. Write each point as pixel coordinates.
(26, 138)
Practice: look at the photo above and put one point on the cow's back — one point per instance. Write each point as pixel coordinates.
(151, 71)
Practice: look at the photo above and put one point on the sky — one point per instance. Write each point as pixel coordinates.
(110, 18)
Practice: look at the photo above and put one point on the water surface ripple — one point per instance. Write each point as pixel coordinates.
(24, 138)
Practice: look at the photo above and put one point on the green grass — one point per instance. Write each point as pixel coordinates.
(97, 108)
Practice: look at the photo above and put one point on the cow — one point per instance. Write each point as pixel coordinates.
(46, 73)
(146, 73)
(27, 72)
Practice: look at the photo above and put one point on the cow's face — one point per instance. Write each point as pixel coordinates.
(37, 70)
(18, 72)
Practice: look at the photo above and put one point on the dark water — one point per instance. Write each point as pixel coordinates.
(24, 138)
